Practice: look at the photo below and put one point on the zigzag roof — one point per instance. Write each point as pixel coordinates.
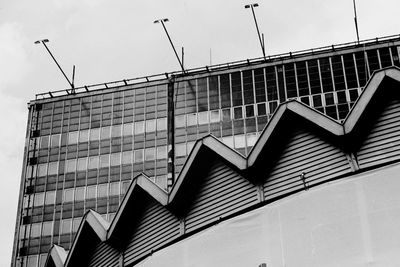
(210, 144)
(56, 256)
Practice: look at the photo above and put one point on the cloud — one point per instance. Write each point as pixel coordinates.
(14, 63)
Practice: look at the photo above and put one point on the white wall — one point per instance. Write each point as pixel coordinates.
(351, 222)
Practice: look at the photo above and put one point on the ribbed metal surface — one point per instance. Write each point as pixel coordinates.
(222, 192)
(308, 153)
(383, 142)
(104, 256)
(156, 227)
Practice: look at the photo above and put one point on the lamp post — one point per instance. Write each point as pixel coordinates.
(44, 41)
(162, 21)
(355, 20)
(252, 6)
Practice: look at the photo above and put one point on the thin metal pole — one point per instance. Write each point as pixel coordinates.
(355, 20)
(173, 47)
(58, 65)
(258, 31)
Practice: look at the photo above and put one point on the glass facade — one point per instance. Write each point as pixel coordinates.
(83, 150)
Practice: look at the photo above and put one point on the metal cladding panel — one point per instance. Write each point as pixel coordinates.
(156, 227)
(222, 192)
(382, 144)
(104, 256)
(306, 153)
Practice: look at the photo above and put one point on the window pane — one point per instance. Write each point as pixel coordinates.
(75, 224)
(47, 228)
(66, 226)
(55, 140)
(116, 131)
(93, 162)
(162, 124)
(162, 152)
(53, 168)
(83, 136)
(240, 141)
(39, 199)
(50, 197)
(150, 126)
(180, 149)
(128, 129)
(32, 261)
(139, 127)
(91, 192)
(72, 138)
(139, 155)
(127, 157)
(35, 229)
(251, 139)
(203, 117)
(104, 161)
(42, 169)
(80, 193)
(150, 153)
(70, 165)
(44, 142)
(191, 119)
(68, 194)
(214, 116)
(105, 133)
(81, 164)
(94, 134)
(180, 121)
(115, 159)
(228, 141)
(102, 190)
(238, 113)
(114, 189)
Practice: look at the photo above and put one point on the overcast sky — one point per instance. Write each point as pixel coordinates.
(114, 40)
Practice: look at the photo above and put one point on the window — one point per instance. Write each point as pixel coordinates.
(139, 127)
(81, 166)
(238, 113)
(35, 230)
(55, 140)
(47, 228)
(66, 226)
(53, 168)
(124, 187)
(104, 161)
(228, 140)
(191, 119)
(150, 126)
(226, 114)
(150, 153)
(214, 116)
(83, 136)
(240, 141)
(189, 147)
(180, 149)
(91, 192)
(162, 124)
(50, 197)
(44, 142)
(180, 121)
(73, 138)
(261, 109)
(161, 152)
(68, 195)
(70, 165)
(115, 159)
(93, 162)
(79, 193)
(32, 261)
(128, 129)
(94, 134)
(127, 157)
(42, 169)
(251, 139)
(139, 155)
(203, 117)
(116, 131)
(102, 190)
(114, 189)
(105, 133)
(39, 199)
(249, 111)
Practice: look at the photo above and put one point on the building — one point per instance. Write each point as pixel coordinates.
(84, 146)
(312, 192)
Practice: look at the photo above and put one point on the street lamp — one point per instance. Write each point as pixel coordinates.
(162, 21)
(44, 41)
(252, 6)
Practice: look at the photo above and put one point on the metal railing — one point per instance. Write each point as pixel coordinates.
(217, 67)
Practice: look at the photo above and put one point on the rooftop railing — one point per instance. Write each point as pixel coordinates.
(218, 67)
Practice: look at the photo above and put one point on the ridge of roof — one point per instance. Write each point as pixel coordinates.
(96, 223)
(235, 159)
(57, 254)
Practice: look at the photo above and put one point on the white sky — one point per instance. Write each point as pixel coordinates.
(114, 40)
